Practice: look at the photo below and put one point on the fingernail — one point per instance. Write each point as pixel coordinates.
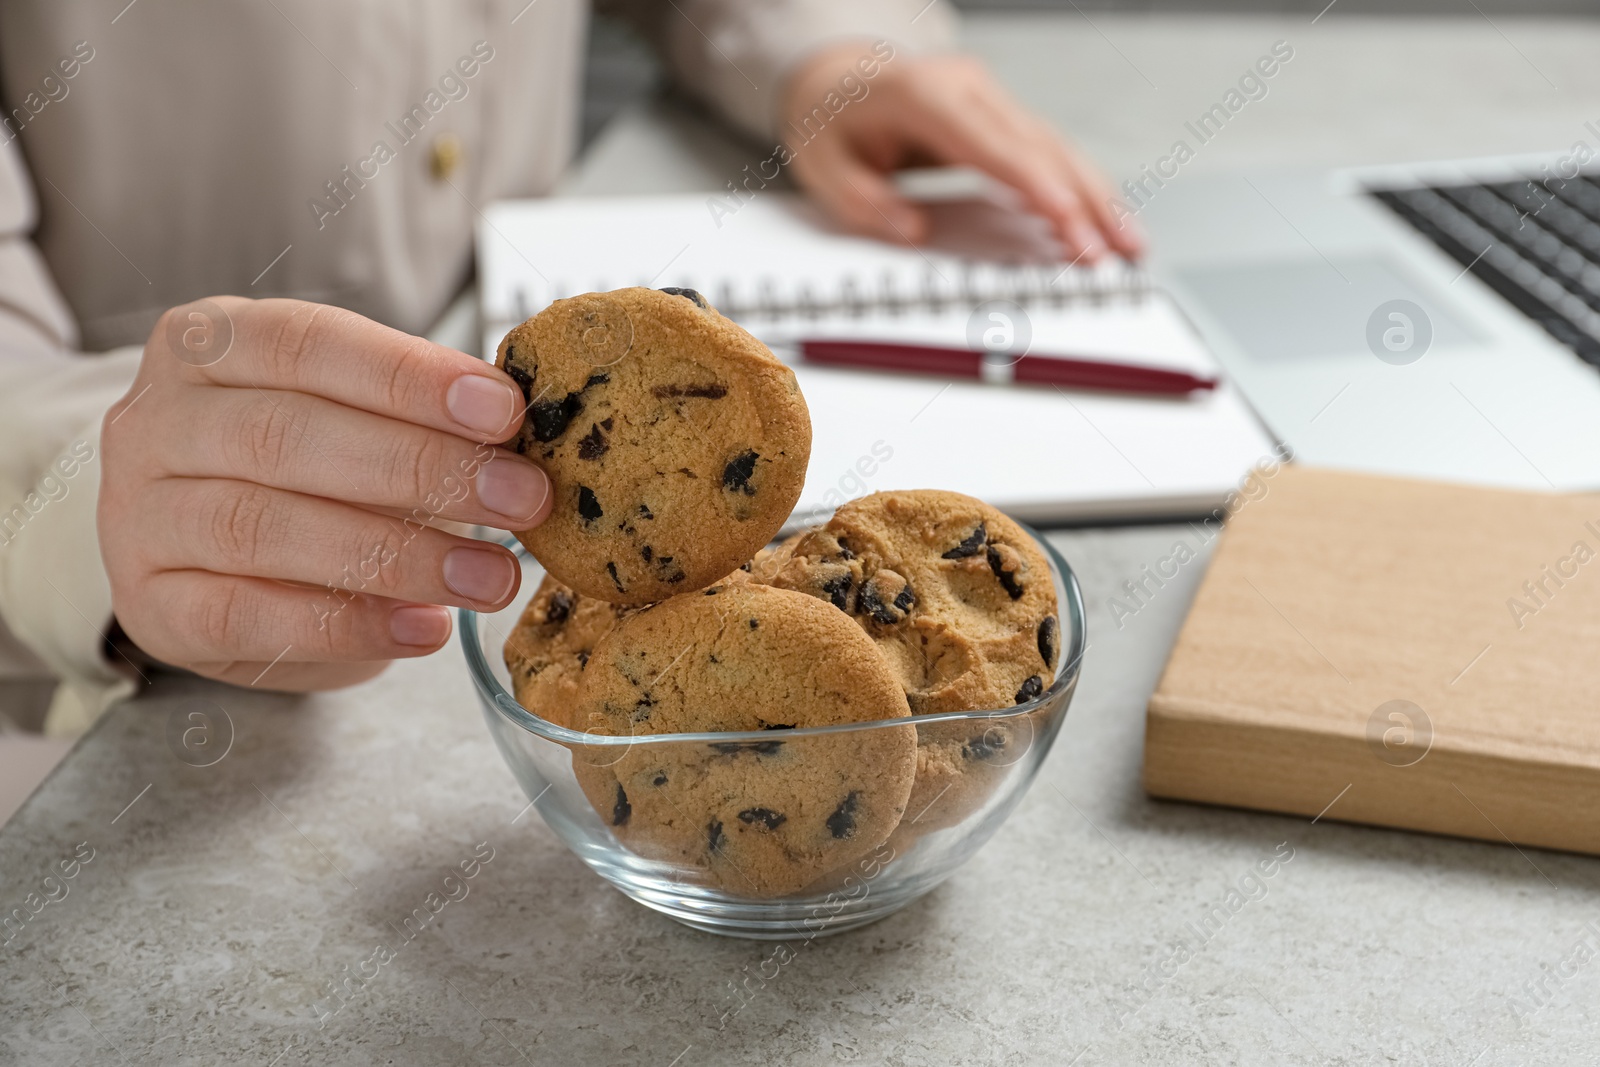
(480, 403)
(482, 575)
(512, 487)
(421, 625)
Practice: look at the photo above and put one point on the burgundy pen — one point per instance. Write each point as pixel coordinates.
(1002, 366)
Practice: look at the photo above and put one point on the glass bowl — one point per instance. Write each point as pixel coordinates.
(868, 877)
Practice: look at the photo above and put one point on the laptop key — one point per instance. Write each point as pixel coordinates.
(1500, 265)
(1532, 238)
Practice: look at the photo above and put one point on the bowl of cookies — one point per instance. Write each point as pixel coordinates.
(762, 738)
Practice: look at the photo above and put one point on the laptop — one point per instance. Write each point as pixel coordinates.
(1435, 320)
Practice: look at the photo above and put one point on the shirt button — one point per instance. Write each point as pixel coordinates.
(445, 156)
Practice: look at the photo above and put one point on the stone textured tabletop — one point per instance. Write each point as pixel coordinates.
(209, 910)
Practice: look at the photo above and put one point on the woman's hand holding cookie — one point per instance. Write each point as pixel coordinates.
(273, 488)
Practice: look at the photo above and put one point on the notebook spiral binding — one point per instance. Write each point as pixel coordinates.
(1023, 286)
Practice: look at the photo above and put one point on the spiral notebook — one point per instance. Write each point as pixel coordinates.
(774, 265)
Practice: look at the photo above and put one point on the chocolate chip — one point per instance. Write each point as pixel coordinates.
(588, 504)
(660, 779)
(838, 590)
(711, 391)
(842, 823)
(688, 294)
(736, 475)
(583, 658)
(550, 417)
(559, 608)
(611, 569)
(754, 623)
(1049, 631)
(1030, 689)
(765, 816)
(522, 377)
(621, 809)
(985, 746)
(714, 838)
(520, 446)
(666, 572)
(869, 602)
(971, 546)
(596, 379)
(647, 552)
(732, 748)
(844, 550)
(644, 512)
(1007, 579)
(593, 444)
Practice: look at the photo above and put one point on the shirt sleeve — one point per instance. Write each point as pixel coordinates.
(736, 55)
(55, 598)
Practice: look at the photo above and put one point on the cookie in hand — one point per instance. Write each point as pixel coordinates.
(675, 442)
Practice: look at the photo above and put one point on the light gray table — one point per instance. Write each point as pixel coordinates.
(222, 901)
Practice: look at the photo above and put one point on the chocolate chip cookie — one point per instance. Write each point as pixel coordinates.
(758, 818)
(959, 600)
(675, 442)
(549, 648)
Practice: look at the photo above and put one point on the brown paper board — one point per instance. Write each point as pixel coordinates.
(1336, 594)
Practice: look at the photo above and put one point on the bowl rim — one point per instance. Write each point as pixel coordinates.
(496, 695)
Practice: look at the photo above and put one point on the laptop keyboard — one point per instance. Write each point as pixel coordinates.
(1536, 243)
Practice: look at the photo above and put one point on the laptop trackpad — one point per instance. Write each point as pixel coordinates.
(1287, 309)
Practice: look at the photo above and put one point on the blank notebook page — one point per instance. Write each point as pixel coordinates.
(1039, 452)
